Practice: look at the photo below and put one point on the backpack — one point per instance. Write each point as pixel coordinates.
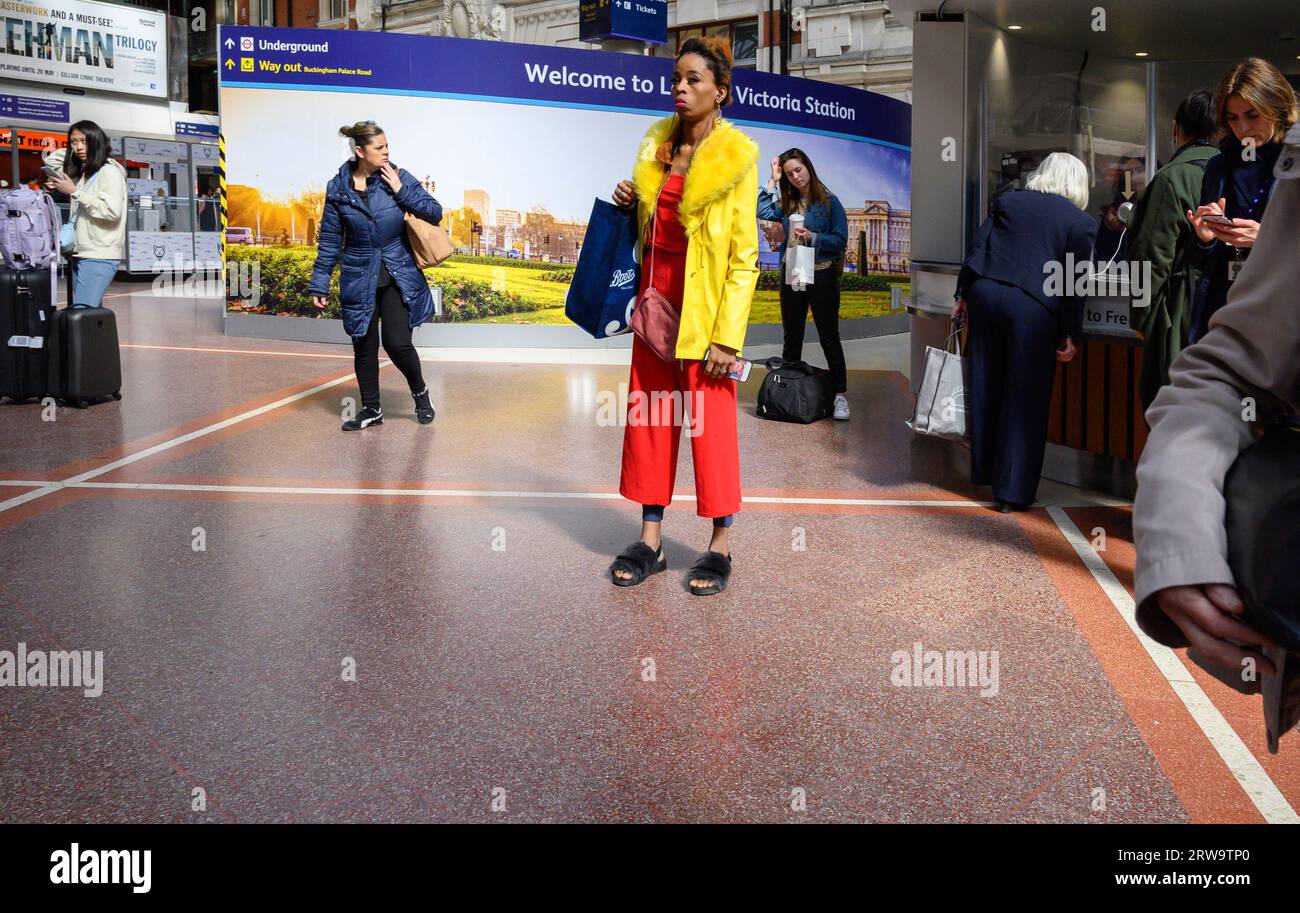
(29, 229)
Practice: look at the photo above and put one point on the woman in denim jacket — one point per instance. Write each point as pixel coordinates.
(826, 230)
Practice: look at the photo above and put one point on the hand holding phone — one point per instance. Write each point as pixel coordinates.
(741, 371)
(53, 172)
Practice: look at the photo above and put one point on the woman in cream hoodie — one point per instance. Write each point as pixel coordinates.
(96, 184)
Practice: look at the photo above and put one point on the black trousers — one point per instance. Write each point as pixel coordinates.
(823, 296)
(391, 320)
(1012, 350)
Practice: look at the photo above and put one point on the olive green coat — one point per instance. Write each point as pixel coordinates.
(1160, 235)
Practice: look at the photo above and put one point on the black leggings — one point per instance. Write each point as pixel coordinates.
(391, 320)
(823, 296)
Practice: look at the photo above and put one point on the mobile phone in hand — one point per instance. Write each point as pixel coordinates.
(741, 371)
(52, 172)
(1213, 219)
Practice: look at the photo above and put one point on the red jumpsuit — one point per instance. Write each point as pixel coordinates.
(707, 405)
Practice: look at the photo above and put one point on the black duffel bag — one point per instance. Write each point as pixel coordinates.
(795, 391)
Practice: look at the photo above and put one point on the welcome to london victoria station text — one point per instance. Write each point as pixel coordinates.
(580, 79)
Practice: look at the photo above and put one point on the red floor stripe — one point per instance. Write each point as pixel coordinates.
(1203, 783)
(1244, 712)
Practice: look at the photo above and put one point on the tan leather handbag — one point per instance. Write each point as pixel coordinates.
(429, 243)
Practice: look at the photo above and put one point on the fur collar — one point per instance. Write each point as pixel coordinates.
(721, 162)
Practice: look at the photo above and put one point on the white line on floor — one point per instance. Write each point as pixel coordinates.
(140, 345)
(492, 493)
(495, 493)
(1244, 766)
(74, 481)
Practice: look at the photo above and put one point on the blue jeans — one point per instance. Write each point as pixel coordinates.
(90, 279)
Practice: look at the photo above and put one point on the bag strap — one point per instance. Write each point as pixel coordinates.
(948, 345)
(4, 253)
(654, 214)
(74, 208)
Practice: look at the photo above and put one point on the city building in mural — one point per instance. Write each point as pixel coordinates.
(888, 235)
(480, 202)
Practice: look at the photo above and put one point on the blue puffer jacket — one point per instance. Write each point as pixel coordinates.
(830, 227)
(360, 236)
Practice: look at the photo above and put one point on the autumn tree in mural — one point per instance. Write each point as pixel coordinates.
(294, 218)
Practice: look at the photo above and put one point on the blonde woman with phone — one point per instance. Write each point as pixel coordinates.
(1255, 106)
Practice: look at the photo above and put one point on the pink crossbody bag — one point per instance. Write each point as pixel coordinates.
(655, 319)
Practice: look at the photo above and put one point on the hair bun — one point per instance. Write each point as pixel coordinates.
(721, 45)
(346, 130)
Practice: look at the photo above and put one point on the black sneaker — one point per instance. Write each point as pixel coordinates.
(365, 418)
(423, 408)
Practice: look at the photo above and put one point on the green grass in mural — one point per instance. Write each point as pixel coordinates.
(767, 305)
(515, 280)
(493, 292)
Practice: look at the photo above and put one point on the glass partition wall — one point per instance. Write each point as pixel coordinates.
(1098, 113)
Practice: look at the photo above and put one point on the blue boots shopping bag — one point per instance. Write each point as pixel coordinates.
(607, 278)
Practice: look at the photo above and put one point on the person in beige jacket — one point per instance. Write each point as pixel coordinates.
(96, 184)
(1243, 373)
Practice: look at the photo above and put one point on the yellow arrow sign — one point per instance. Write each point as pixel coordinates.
(229, 64)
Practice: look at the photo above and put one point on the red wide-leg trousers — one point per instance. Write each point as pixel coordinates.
(655, 417)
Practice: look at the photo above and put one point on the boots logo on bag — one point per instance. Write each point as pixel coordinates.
(623, 278)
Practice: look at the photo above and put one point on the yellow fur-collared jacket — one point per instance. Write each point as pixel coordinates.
(719, 211)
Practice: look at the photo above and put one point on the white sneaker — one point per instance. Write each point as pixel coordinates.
(841, 408)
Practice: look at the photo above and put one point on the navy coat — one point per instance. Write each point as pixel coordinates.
(361, 236)
(1025, 232)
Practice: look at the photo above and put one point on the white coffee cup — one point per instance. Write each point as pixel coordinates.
(796, 223)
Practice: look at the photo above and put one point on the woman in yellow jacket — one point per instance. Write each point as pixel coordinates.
(694, 188)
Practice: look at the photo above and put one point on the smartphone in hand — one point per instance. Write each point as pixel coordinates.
(52, 172)
(741, 370)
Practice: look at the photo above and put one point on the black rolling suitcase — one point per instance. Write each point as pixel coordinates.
(86, 361)
(26, 330)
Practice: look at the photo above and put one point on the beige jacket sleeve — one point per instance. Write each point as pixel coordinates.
(103, 197)
(1199, 422)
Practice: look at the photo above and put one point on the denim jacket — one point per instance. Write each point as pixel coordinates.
(830, 229)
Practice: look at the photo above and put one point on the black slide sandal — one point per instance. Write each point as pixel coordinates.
(713, 566)
(639, 559)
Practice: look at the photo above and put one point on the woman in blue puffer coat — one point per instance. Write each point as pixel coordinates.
(382, 290)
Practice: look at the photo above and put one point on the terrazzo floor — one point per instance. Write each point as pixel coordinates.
(416, 623)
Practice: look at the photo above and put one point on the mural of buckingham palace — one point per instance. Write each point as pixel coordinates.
(888, 235)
